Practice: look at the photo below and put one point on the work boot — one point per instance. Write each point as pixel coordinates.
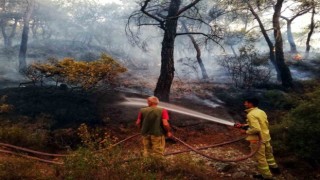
(259, 176)
(275, 170)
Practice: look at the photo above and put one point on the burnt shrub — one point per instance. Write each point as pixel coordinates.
(248, 69)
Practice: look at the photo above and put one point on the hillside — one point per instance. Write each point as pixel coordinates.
(47, 119)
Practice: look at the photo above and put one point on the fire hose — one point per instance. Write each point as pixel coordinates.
(31, 151)
(31, 157)
(217, 158)
(190, 148)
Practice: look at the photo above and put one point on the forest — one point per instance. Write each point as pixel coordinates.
(75, 73)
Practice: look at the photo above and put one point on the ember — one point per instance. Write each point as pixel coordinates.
(297, 57)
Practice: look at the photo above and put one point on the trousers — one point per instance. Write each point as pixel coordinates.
(153, 145)
(264, 158)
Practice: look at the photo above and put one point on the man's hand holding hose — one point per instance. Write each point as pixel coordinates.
(243, 127)
(167, 127)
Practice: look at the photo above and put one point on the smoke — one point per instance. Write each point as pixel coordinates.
(83, 29)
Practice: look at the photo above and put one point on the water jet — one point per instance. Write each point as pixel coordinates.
(174, 108)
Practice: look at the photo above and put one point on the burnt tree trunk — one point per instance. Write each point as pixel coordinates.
(25, 35)
(312, 26)
(268, 40)
(197, 48)
(285, 73)
(162, 90)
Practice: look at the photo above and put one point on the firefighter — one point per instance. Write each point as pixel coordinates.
(258, 125)
(154, 125)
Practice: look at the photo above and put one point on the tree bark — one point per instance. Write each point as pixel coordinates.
(233, 51)
(8, 38)
(25, 35)
(197, 48)
(285, 73)
(163, 87)
(293, 47)
(312, 26)
(268, 40)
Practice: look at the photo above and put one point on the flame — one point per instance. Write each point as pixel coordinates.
(297, 57)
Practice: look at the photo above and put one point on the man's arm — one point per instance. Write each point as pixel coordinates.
(138, 121)
(167, 127)
(254, 127)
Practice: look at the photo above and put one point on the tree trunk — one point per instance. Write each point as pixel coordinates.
(312, 26)
(197, 48)
(24, 38)
(233, 51)
(293, 46)
(269, 42)
(8, 38)
(289, 31)
(7, 42)
(162, 90)
(285, 73)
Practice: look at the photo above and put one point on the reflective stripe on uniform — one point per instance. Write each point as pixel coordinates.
(263, 167)
(272, 162)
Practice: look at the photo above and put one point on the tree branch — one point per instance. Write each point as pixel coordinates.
(187, 7)
(143, 9)
(146, 24)
(300, 13)
(212, 36)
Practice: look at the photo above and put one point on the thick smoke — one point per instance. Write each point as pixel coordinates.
(84, 29)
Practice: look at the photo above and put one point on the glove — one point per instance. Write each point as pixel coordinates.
(237, 125)
(241, 126)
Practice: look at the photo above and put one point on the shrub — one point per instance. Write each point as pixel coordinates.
(82, 74)
(280, 100)
(246, 70)
(24, 136)
(19, 169)
(4, 107)
(304, 128)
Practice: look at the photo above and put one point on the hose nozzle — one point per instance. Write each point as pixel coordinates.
(241, 126)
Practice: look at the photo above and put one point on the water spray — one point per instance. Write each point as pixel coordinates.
(178, 109)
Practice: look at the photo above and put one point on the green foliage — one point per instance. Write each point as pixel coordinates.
(95, 162)
(279, 100)
(84, 164)
(4, 107)
(299, 129)
(304, 128)
(77, 73)
(94, 139)
(24, 135)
